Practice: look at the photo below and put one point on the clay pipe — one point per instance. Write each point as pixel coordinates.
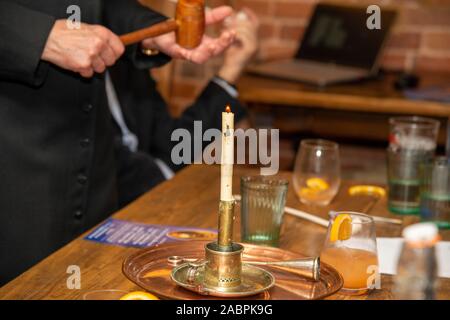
(189, 26)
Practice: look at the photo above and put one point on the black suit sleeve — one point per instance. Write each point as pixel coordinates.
(23, 34)
(123, 16)
(146, 115)
(137, 172)
(207, 108)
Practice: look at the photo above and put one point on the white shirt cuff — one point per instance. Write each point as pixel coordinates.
(226, 86)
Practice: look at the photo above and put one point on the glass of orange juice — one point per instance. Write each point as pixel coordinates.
(351, 248)
(316, 175)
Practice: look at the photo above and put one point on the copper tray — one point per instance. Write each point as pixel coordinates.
(150, 270)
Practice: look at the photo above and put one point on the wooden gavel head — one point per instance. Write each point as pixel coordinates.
(190, 18)
(189, 25)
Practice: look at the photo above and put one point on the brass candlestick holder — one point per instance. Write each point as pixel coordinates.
(222, 273)
(223, 270)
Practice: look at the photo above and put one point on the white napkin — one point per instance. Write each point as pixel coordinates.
(389, 252)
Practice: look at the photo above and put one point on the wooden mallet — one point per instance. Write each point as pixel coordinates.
(189, 25)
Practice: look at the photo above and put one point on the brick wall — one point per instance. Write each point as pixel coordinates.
(422, 34)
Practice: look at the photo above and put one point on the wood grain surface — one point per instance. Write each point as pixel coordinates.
(190, 199)
(372, 96)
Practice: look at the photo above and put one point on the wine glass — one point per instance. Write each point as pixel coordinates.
(351, 248)
(317, 171)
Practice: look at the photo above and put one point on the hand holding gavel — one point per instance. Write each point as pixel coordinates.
(92, 48)
(188, 41)
(189, 25)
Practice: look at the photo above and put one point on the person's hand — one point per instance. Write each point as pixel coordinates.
(209, 47)
(86, 50)
(238, 55)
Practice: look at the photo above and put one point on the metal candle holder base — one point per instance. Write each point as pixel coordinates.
(223, 268)
(221, 273)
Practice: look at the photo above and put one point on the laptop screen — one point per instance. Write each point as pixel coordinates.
(339, 35)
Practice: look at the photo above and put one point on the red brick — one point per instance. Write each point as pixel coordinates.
(436, 2)
(216, 3)
(436, 64)
(273, 51)
(260, 7)
(293, 9)
(394, 61)
(292, 32)
(404, 40)
(422, 24)
(267, 30)
(437, 41)
(426, 16)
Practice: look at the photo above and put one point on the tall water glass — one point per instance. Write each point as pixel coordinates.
(435, 192)
(412, 142)
(262, 208)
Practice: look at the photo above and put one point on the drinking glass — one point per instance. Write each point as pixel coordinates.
(351, 248)
(435, 192)
(262, 208)
(412, 142)
(317, 172)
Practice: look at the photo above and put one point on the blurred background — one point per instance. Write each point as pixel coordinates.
(420, 40)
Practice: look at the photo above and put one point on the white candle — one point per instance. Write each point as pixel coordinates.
(227, 157)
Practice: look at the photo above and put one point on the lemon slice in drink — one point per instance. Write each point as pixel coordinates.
(307, 192)
(139, 295)
(317, 184)
(341, 228)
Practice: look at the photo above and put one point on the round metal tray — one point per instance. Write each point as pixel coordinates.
(149, 269)
(254, 280)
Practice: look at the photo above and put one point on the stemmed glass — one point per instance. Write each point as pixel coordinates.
(316, 176)
(351, 248)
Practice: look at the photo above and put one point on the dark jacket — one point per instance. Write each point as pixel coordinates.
(146, 115)
(56, 139)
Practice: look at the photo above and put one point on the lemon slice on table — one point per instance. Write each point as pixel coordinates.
(341, 229)
(139, 295)
(317, 184)
(367, 190)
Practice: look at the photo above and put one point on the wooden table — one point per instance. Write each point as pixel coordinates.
(374, 96)
(358, 111)
(190, 199)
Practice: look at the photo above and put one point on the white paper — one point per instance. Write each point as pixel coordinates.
(389, 251)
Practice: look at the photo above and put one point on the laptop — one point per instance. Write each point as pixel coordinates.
(337, 47)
